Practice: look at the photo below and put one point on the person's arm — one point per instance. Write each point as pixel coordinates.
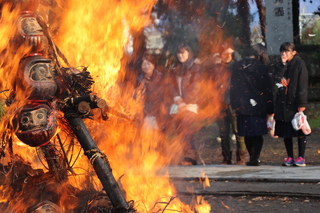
(195, 81)
(234, 87)
(177, 99)
(138, 87)
(268, 92)
(279, 70)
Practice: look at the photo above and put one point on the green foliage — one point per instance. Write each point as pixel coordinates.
(192, 23)
(314, 122)
(179, 32)
(314, 115)
(310, 34)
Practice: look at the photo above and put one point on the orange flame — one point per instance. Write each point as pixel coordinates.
(95, 34)
(98, 40)
(206, 181)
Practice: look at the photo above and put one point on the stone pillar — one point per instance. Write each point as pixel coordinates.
(279, 27)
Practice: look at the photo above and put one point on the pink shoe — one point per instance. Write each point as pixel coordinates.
(300, 161)
(288, 162)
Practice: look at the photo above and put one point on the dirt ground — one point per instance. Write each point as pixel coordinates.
(261, 204)
(273, 151)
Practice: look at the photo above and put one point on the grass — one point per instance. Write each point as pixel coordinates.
(314, 122)
(314, 114)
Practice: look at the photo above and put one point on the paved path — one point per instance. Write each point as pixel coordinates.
(245, 180)
(308, 174)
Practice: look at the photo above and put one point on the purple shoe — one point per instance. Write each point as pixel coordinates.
(300, 161)
(288, 161)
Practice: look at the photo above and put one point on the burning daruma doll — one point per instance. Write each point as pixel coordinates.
(36, 123)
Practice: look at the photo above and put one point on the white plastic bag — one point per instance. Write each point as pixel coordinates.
(306, 129)
(150, 123)
(300, 121)
(271, 123)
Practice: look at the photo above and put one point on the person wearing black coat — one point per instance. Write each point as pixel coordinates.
(185, 78)
(252, 99)
(149, 86)
(291, 79)
(227, 122)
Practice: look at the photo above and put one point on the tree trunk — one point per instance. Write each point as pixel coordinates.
(295, 21)
(221, 11)
(262, 18)
(244, 25)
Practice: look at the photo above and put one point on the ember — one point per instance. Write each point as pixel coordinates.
(64, 127)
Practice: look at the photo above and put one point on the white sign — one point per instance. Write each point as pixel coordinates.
(279, 27)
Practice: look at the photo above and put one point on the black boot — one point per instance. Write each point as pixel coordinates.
(253, 162)
(254, 146)
(254, 158)
(227, 156)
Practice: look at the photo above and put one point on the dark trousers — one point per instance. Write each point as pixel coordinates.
(302, 142)
(227, 124)
(254, 146)
(186, 130)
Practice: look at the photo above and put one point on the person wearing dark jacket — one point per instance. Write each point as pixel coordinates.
(150, 87)
(219, 72)
(291, 79)
(185, 78)
(252, 99)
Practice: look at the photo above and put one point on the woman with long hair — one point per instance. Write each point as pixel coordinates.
(291, 78)
(185, 78)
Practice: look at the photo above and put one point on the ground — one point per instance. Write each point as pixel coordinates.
(273, 153)
(261, 204)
